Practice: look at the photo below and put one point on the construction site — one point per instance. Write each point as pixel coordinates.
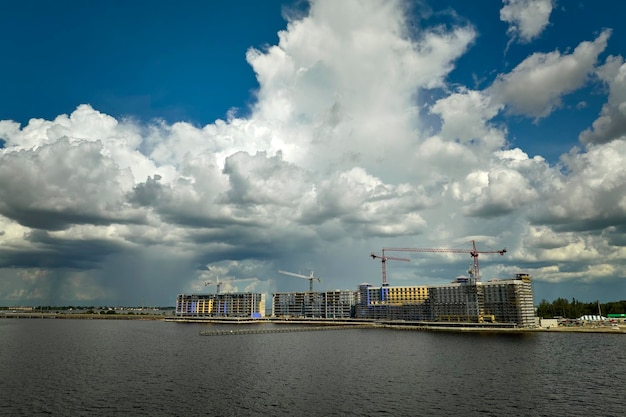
(465, 300)
(495, 301)
(243, 304)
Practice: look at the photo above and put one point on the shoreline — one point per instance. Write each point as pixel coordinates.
(82, 316)
(404, 326)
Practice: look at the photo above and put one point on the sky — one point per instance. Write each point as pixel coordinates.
(147, 148)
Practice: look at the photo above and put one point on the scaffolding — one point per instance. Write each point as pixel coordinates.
(511, 301)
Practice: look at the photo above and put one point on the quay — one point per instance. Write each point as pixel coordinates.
(313, 324)
(80, 316)
(276, 330)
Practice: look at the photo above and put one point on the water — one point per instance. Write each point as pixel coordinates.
(153, 368)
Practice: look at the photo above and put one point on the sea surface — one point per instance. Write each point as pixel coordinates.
(155, 368)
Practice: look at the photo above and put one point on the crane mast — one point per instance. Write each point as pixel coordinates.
(219, 283)
(473, 253)
(383, 259)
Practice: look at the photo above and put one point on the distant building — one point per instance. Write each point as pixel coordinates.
(221, 305)
(311, 304)
(548, 323)
(21, 309)
(591, 318)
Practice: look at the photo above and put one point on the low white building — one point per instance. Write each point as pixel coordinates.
(589, 318)
(548, 323)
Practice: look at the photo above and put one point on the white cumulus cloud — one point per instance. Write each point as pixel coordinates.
(612, 121)
(337, 159)
(526, 18)
(535, 87)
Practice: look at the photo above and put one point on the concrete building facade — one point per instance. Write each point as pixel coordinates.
(328, 304)
(221, 305)
(393, 303)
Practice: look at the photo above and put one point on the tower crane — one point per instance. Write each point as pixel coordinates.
(219, 283)
(310, 277)
(473, 253)
(383, 260)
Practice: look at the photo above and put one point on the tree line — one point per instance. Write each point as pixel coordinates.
(574, 309)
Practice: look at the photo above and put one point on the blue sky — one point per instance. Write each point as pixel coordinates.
(186, 61)
(151, 146)
(172, 61)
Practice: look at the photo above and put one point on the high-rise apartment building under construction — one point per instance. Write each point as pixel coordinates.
(498, 301)
(508, 301)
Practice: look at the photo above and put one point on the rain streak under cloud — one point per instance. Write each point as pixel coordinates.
(357, 139)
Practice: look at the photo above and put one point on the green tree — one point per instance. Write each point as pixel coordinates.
(575, 309)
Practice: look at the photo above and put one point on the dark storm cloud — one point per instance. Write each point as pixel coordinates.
(57, 185)
(616, 236)
(604, 216)
(52, 252)
(184, 206)
(592, 225)
(60, 220)
(610, 126)
(253, 242)
(491, 210)
(147, 194)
